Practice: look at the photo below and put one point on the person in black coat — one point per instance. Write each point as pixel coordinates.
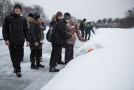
(55, 19)
(60, 38)
(35, 34)
(82, 27)
(15, 30)
(88, 29)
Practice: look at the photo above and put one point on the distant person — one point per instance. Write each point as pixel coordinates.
(42, 28)
(88, 29)
(55, 19)
(60, 37)
(15, 30)
(82, 27)
(35, 42)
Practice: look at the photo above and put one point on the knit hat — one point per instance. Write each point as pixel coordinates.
(74, 19)
(84, 19)
(42, 23)
(67, 16)
(18, 6)
(35, 15)
(58, 14)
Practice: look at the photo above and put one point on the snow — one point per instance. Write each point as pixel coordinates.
(31, 79)
(110, 66)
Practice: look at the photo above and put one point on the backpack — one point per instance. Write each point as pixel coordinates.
(50, 33)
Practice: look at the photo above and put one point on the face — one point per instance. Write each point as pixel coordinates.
(38, 19)
(74, 23)
(67, 20)
(59, 17)
(17, 11)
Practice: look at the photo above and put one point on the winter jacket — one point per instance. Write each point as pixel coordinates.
(42, 28)
(71, 31)
(15, 29)
(82, 25)
(53, 22)
(35, 32)
(89, 28)
(61, 34)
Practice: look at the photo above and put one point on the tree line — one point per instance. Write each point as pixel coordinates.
(126, 22)
(6, 7)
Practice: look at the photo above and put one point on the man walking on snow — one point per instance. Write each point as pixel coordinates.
(15, 30)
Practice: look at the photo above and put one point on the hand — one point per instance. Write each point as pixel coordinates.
(82, 39)
(41, 42)
(28, 44)
(7, 43)
(36, 44)
(74, 35)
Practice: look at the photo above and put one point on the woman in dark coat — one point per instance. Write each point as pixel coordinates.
(34, 26)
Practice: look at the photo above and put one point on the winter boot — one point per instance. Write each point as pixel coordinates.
(53, 69)
(33, 65)
(39, 65)
(61, 62)
(18, 74)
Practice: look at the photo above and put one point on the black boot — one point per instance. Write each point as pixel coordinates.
(18, 74)
(61, 62)
(33, 65)
(14, 70)
(53, 69)
(39, 65)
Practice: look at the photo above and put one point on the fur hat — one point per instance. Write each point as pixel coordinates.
(67, 16)
(18, 6)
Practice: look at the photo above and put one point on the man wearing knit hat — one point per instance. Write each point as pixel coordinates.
(60, 36)
(15, 31)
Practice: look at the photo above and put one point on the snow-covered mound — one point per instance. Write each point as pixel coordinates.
(110, 66)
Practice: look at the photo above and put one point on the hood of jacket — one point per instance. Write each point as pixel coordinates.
(32, 20)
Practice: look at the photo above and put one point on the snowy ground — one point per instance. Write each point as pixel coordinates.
(31, 79)
(110, 66)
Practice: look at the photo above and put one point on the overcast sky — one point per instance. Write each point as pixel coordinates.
(92, 10)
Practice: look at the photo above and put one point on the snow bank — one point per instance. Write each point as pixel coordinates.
(110, 66)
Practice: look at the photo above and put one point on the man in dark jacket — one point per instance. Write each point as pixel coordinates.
(60, 41)
(55, 20)
(15, 30)
(82, 27)
(88, 29)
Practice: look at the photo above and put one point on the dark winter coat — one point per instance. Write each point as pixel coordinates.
(53, 22)
(61, 34)
(82, 25)
(89, 28)
(35, 31)
(15, 29)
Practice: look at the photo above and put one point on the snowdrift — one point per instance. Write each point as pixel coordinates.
(110, 66)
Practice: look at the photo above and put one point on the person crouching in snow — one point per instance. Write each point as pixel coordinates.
(88, 29)
(34, 27)
(73, 30)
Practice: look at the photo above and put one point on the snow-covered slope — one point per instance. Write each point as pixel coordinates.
(110, 66)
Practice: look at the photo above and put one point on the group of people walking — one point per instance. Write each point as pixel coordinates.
(16, 30)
